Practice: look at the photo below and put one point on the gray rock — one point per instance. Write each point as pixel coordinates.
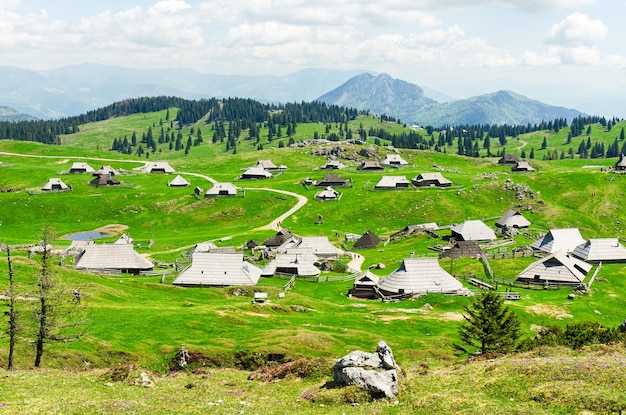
(622, 327)
(375, 372)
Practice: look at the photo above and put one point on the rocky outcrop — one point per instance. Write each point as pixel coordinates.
(375, 372)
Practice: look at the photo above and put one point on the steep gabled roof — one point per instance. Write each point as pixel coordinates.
(393, 160)
(392, 182)
(564, 239)
(331, 179)
(298, 262)
(461, 249)
(222, 189)
(319, 245)
(279, 238)
(79, 167)
(368, 240)
(621, 163)
(158, 166)
(603, 249)
(370, 165)
(522, 166)
(218, 269)
(509, 159)
(104, 180)
(54, 183)
(106, 170)
(178, 181)
(556, 267)
(265, 164)
(333, 164)
(124, 239)
(427, 178)
(112, 256)
(367, 278)
(512, 218)
(327, 194)
(419, 275)
(473, 230)
(256, 173)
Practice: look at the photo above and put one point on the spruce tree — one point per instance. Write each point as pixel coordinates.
(489, 327)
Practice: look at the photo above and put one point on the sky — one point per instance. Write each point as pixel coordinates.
(563, 52)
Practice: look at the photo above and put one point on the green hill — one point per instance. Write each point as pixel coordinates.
(141, 321)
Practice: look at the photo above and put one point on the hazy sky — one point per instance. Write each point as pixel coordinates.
(460, 47)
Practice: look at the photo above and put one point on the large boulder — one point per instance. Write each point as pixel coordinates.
(375, 372)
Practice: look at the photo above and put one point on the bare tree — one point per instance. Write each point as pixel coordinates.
(56, 316)
(12, 313)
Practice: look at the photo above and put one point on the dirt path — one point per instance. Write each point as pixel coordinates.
(73, 157)
(276, 223)
(200, 175)
(356, 262)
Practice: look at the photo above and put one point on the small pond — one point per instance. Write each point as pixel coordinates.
(86, 236)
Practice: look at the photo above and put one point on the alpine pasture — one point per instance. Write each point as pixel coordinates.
(143, 320)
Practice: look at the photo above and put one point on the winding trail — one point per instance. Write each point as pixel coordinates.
(356, 262)
(275, 224)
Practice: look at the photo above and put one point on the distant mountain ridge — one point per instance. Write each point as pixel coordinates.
(380, 94)
(501, 107)
(77, 89)
(10, 114)
(384, 95)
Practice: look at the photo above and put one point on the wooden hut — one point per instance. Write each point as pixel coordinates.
(368, 240)
(218, 269)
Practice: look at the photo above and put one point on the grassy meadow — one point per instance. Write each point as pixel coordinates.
(142, 321)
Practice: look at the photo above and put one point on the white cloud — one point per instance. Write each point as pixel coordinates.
(8, 4)
(576, 29)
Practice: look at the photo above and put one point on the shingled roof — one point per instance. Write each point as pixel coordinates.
(419, 276)
(513, 219)
(392, 182)
(218, 269)
(565, 239)
(104, 180)
(178, 181)
(120, 257)
(299, 262)
(368, 240)
(603, 249)
(79, 167)
(54, 184)
(462, 249)
(558, 267)
(473, 230)
(327, 194)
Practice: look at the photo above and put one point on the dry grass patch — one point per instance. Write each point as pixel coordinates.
(548, 310)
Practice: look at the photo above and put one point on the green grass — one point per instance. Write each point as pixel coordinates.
(138, 320)
(547, 381)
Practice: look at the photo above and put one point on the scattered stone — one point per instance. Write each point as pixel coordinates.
(375, 372)
(367, 152)
(146, 382)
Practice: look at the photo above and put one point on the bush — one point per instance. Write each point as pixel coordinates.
(574, 336)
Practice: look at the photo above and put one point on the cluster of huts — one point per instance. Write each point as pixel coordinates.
(290, 254)
(567, 259)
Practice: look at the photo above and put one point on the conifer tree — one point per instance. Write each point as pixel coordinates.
(489, 327)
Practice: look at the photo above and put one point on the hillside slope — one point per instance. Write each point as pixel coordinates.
(501, 107)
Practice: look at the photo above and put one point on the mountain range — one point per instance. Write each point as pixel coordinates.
(76, 89)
